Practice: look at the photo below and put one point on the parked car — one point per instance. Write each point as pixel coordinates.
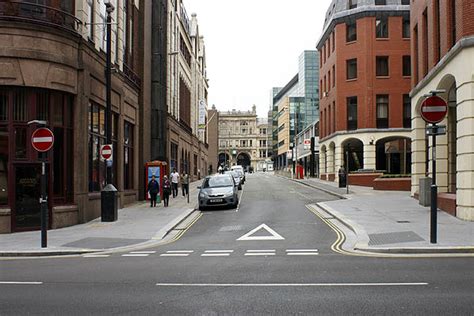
(239, 168)
(241, 175)
(218, 190)
(237, 178)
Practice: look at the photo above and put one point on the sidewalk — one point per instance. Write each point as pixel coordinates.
(391, 222)
(138, 224)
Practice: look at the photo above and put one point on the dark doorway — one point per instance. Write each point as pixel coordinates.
(354, 150)
(393, 155)
(243, 159)
(27, 192)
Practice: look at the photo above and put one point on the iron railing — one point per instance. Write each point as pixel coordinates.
(37, 13)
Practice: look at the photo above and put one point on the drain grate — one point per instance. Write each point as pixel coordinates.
(393, 238)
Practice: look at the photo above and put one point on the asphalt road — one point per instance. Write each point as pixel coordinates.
(286, 267)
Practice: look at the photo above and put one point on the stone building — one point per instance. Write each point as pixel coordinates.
(52, 69)
(243, 139)
(213, 139)
(364, 85)
(442, 51)
(186, 139)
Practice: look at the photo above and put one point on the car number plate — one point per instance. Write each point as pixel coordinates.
(215, 200)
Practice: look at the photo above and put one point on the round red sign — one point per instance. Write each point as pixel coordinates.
(42, 139)
(434, 109)
(106, 152)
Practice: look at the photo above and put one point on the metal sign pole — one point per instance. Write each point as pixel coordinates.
(434, 191)
(44, 207)
(347, 172)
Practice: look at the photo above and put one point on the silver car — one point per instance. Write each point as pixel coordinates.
(218, 190)
(237, 178)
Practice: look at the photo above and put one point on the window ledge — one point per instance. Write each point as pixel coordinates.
(406, 77)
(382, 77)
(351, 42)
(350, 80)
(382, 38)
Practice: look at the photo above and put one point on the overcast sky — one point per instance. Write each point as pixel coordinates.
(254, 45)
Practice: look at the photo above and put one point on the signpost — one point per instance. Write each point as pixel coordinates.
(433, 110)
(42, 141)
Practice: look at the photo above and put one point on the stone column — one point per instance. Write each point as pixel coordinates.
(465, 152)
(339, 159)
(418, 150)
(369, 156)
(322, 160)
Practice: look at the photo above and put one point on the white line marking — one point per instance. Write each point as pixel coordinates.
(288, 284)
(301, 250)
(96, 256)
(135, 255)
(240, 200)
(215, 255)
(274, 234)
(148, 252)
(21, 283)
(260, 254)
(302, 254)
(217, 251)
(180, 251)
(174, 255)
(266, 250)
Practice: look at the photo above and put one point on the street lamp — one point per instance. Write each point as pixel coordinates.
(109, 192)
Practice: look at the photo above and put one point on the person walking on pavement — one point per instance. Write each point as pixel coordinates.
(166, 191)
(174, 182)
(153, 189)
(185, 183)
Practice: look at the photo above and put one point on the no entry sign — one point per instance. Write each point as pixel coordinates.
(42, 139)
(434, 109)
(106, 151)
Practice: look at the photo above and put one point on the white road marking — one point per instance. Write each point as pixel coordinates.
(259, 254)
(96, 256)
(217, 251)
(20, 283)
(135, 255)
(180, 251)
(240, 200)
(289, 284)
(266, 250)
(274, 234)
(174, 255)
(215, 255)
(302, 253)
(148, 252)
(301, 250)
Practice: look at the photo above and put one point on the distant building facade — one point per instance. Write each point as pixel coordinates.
(295, 107)
(364, 85)
(442, 51)
(243, 139)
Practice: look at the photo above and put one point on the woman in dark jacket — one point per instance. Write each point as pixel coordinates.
(153, 189)
(166, 190)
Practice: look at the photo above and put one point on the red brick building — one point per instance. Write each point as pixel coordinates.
(365, 73)
(442, 50)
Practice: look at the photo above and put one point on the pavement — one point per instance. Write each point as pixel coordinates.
(137, 225)
(390, 222)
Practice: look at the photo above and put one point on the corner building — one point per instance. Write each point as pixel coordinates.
(364, 85)
(52, 69)
(443, 52)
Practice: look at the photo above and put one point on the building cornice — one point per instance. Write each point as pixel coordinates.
(365, 131)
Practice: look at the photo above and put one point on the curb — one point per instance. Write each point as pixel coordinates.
(156, 239)
(363, 239)
(314, 187)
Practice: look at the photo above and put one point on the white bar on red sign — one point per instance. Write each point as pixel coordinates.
(432, 109)
(42, 139)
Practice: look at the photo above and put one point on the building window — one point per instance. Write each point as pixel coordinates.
(382, 66)
(333, 40)
(333, 76)
(352, 4)
(195, 169)
(406, 111)
(351, 32)
(174, 155)
(380, 2)
(405, 2)
(96, 139)
(90, 18)
(407, 66)
(381, 27)
(351, 113)
(351, 66)
(382, 111)
(406, 27)
(128, 156)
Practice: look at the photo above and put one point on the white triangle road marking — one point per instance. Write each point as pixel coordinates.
(274, 234)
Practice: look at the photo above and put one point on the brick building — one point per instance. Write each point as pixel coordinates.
(442, 51)
(364, 84)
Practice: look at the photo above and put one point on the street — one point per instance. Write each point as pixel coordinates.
(271, 255)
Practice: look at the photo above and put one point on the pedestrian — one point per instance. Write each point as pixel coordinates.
(342, 177)
(174, 182)
(166, 191)
(153, 189)
(220, 170)
(185, 184)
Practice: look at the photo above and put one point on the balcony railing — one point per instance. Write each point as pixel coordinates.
(37, 13)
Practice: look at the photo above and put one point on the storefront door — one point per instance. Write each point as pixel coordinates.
(27, 193)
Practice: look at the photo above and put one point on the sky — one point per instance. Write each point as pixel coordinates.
(254, 45)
